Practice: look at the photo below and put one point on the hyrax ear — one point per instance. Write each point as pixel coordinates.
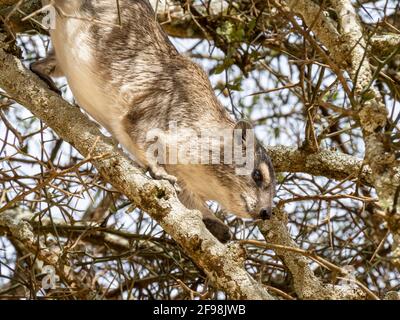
(243, 126)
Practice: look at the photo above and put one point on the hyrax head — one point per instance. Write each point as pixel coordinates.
(233, 169)
(246, 186)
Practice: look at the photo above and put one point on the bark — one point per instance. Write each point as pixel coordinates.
(223, 264)
(305, 283)
(326, 163)
(371, 112)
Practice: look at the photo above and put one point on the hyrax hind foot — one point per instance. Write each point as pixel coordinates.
(219, 229)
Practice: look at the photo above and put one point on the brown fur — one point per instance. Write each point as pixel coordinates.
(130, 78)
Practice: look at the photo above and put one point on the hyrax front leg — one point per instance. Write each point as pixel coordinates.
(46, 68)
(155, 156)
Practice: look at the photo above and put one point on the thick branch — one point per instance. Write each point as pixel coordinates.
(371, 113)
(306, 284)
(330, 164)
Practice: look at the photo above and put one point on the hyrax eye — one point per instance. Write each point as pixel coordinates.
(257, 176)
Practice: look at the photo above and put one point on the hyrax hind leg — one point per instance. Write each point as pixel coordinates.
(219, 229)
(47, 68)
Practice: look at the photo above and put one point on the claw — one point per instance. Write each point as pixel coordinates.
(160, 174)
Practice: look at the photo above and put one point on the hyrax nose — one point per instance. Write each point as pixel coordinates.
(265, 213)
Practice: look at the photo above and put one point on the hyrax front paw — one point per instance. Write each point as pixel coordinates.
(160, 174)
(219, 229)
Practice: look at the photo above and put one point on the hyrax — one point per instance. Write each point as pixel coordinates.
(124, 71)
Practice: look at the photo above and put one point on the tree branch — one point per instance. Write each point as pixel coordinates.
(306, 284)
(223, 264)
(369, 108)
(326, 163)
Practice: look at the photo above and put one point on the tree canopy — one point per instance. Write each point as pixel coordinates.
(319, 80)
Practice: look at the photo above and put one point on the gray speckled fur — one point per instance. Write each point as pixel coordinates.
(130, 78)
